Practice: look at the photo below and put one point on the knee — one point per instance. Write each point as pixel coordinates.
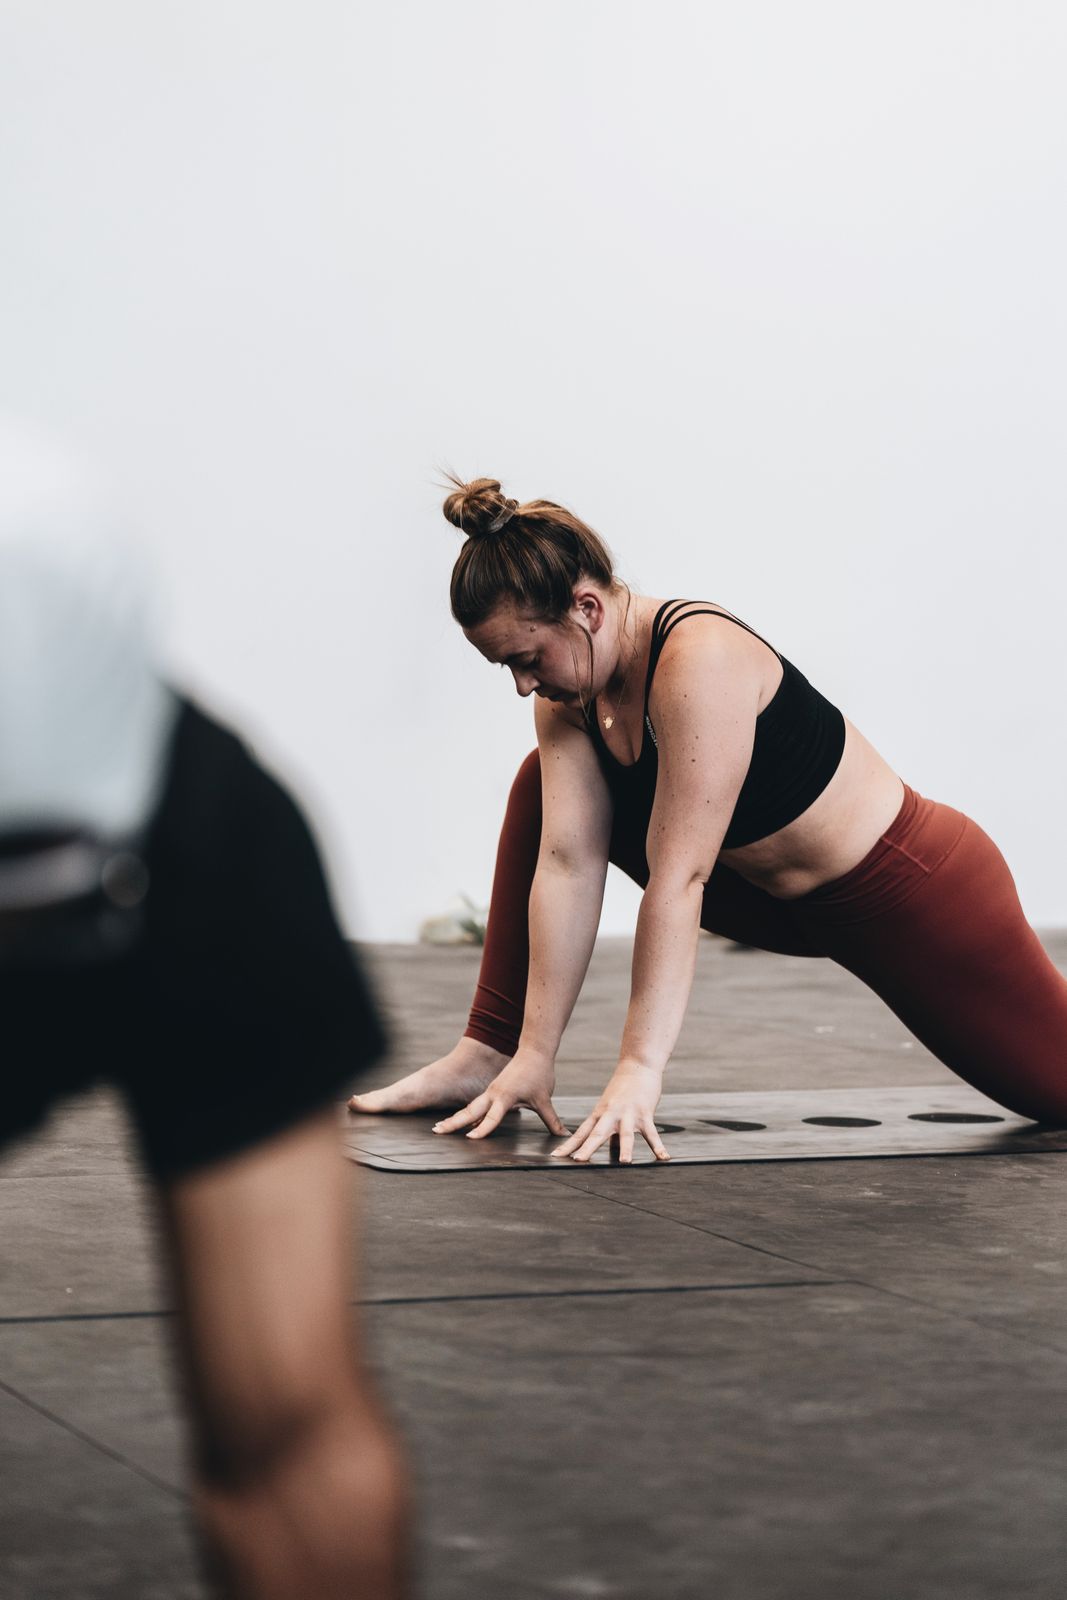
(245, 1451)
(243, 1447)
(326, 1510)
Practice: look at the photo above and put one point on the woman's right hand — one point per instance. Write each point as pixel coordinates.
(527, 1080)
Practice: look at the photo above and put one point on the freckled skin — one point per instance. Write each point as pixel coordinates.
(604, 652)
(836, 831)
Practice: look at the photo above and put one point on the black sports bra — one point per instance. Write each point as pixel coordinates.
(800, 738)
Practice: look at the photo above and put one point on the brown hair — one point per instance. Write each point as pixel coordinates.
(532, 554)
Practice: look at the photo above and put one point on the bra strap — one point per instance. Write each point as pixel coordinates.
(680, 617)
(660, 634)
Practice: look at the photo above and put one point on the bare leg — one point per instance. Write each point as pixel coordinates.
(299, 1481)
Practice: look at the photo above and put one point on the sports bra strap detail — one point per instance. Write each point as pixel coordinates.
(659, 635)
(681, 616)
(798, 746)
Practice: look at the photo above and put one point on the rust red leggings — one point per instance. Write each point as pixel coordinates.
(930, 919)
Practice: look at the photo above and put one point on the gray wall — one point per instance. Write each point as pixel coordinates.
(772, 295)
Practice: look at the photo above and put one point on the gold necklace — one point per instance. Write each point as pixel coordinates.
(608, 721)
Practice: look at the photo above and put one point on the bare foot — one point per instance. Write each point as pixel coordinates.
(452, 1080)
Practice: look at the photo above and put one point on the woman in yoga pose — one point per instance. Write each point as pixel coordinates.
(676, 742)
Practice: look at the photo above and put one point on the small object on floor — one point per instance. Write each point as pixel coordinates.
(791, 1125)
(462, 922)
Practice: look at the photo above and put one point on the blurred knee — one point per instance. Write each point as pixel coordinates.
(317, 1505)
(246, 1447)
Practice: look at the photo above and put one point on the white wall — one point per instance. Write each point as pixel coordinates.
(772, 295)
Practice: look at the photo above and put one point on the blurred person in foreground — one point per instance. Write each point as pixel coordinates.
(165, 925)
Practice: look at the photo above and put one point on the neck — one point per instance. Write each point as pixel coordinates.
(629, 637)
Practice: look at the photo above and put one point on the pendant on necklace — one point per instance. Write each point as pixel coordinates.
(608, 721)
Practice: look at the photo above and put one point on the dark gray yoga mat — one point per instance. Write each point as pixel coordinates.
(794, 1125)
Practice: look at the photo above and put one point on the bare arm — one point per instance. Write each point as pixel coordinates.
(661, 976)
(705, 710)
(567, 893)
(704, 706)
(565, 906)
(298, 1481)
(564, 910)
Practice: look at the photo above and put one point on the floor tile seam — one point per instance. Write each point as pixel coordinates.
(611, 1291)
(552, 1294)
(46, 1318)
(94, 1444)
(810, 1266)
(960, 1316)
(87, 1316)
(945, 1312)
(126, 1173)
(683, 1222)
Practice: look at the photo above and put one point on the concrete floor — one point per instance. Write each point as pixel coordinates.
(766, 1381)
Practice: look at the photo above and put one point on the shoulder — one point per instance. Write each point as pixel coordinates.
(705, 635)
(715, 662)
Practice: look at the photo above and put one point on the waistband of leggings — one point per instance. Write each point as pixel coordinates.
(883, 846)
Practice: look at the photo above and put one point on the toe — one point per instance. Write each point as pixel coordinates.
(365, 1102)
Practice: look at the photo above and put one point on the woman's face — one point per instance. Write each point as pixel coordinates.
(544, 658)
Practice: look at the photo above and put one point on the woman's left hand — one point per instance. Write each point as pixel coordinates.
(626, 1107)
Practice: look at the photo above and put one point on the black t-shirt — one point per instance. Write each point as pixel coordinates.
(239, 1009)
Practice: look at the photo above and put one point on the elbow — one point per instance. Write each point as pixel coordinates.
(678, 884)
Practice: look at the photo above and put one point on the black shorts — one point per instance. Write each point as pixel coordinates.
(239, 1008)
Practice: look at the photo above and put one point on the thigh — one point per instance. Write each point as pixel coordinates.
(949, 949)
(257, 1247)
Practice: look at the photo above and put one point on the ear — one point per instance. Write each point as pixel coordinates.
(589, 602)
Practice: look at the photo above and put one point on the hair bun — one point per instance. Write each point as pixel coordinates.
(478, 508)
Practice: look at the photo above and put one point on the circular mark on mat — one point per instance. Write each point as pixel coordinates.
(844, 1122)
(735, 1127)
(951, 1116)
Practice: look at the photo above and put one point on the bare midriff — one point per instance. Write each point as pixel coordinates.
(833, 834)
(839, 827)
